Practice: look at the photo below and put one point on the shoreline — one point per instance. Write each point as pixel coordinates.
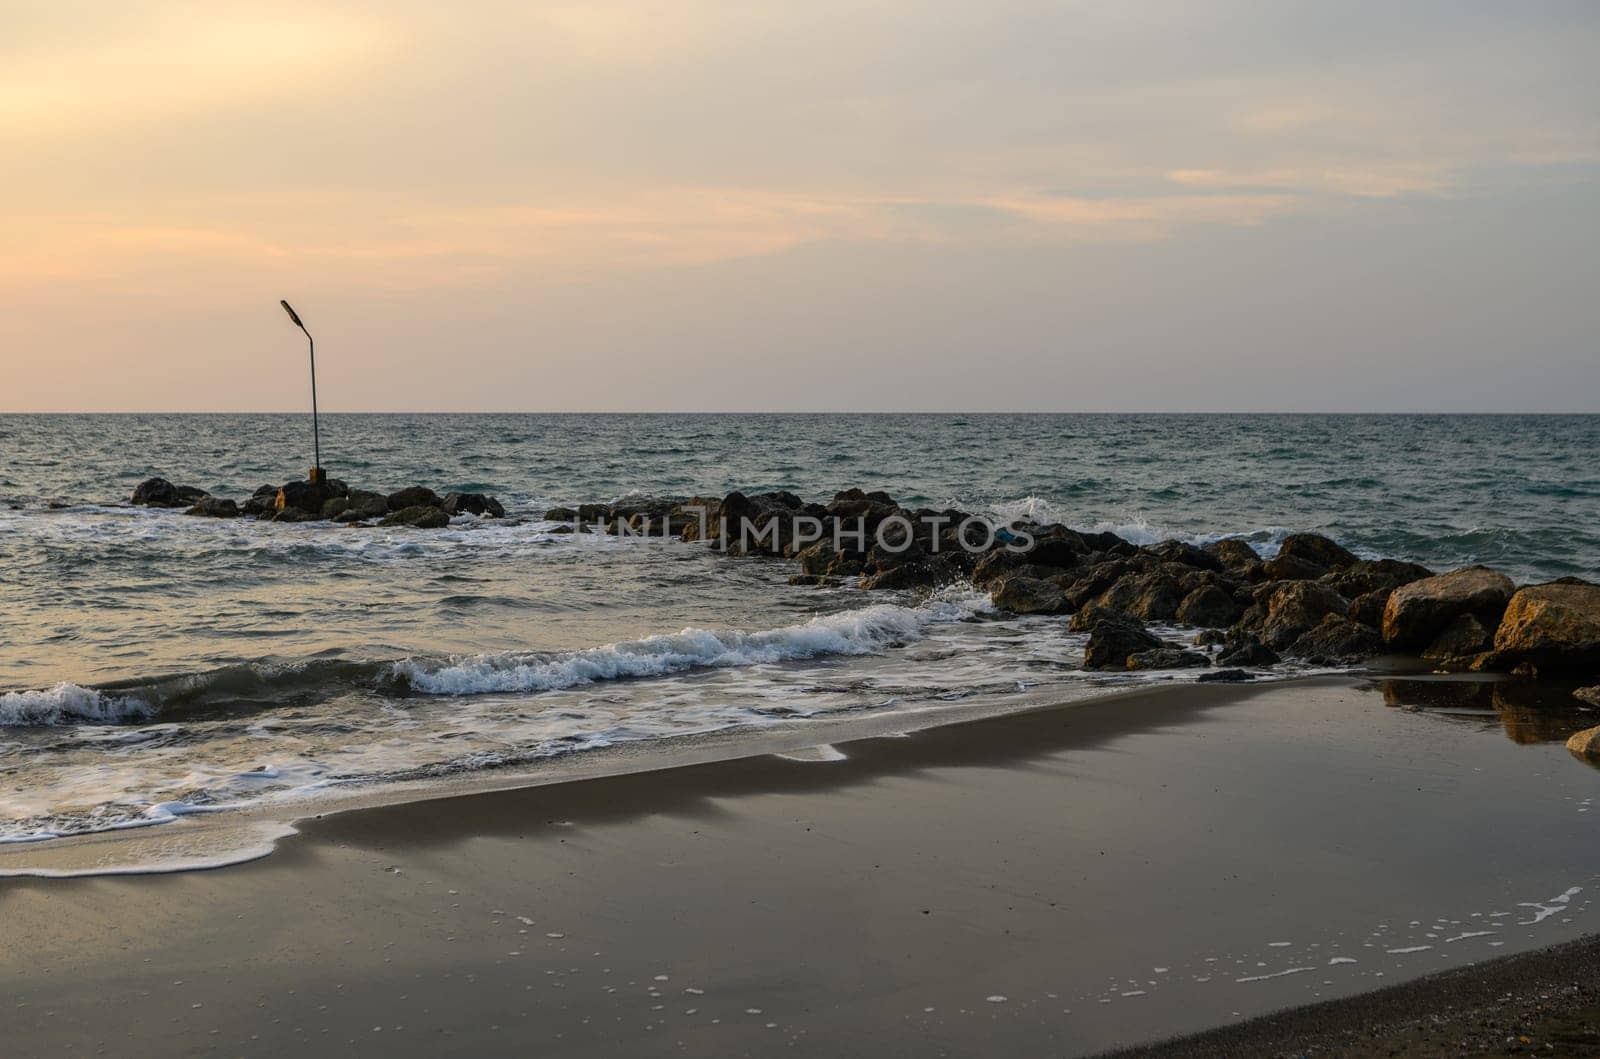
(237, 836)
(966, 887)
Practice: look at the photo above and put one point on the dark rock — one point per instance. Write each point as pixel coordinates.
(357, 506)
(1553, 628)
(1062, 551)
(476, 504)
(1233, 553)
(561, 514)
(997, 565)
(1209, 606)
(214, 507)
(1113, 640)
(413, 496)
(1464, 636)
(1167, 658)
(1210, 638)
(1292, 568)
(1418, 612)
(264, 501)
(1028, 595)
(1370, 575)
(1248, 651)
(420, 516)
(1317, 549)
(309, 497)
(1185, 554)
(1225, 676)
(1336, 640)
(1148, 597)
(1286, 610)
(1367, 608)
(930, 571)
(293, 514)
(158, 492)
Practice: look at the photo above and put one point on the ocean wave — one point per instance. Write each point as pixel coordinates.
(69, 704)
(854, 632)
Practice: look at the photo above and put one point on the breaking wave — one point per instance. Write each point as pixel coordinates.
(854, 632)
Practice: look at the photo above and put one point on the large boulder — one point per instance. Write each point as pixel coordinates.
(1233, 553)
(1286, 610)
(158, 492)
(1175, 551)
(1552, 628)
(309, 497)
(420, 516)
(1365, 576)
(1586, 744)
(1336, 640)
(1591, 695)
(1147, 597)
(480, 505)
(1113, 641)
(413, 496)
(1029, 595)
(1317, 549)
(1209, 606)
(262, 503)
(1292, 568)
(358, 506)
(1418, 612)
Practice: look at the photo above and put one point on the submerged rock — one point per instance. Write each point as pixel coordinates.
(214, 507)
(1418, 612)
(1226, 676)
(1553, 628)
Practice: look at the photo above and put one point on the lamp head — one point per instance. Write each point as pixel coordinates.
(292, 314)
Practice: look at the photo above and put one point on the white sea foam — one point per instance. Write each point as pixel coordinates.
(866, 630)
(69, 704)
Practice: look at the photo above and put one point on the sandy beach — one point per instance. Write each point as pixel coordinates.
(1063, 880)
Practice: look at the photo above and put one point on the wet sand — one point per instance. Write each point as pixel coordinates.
(1061, 881)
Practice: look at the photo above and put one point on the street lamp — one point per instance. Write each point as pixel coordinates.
(315, 477)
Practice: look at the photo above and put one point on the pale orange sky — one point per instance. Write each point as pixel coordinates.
(895, 205)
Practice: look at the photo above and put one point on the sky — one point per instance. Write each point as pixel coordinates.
(510, 205)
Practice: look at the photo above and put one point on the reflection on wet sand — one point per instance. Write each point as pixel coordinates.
(1528, 711)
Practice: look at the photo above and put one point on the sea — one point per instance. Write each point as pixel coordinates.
(155, 666)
